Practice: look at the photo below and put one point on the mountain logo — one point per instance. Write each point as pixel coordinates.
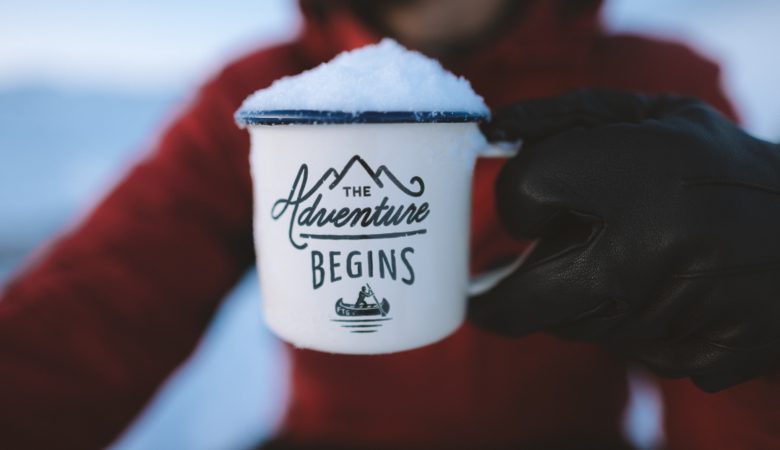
(376, 176)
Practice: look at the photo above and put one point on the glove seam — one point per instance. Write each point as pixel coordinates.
(714, 182)
(729, 271)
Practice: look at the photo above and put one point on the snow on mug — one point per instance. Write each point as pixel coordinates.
(361, 225)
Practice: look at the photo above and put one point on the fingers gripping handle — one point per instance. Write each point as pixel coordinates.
(483, 282)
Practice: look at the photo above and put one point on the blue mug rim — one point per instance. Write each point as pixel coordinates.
(309, 116)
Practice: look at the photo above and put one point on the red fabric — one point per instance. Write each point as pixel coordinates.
(102, 316)
(743, 417)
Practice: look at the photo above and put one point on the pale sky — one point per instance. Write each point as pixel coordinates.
(173, 44)
(131, 44)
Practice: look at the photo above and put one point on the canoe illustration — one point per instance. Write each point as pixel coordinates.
(361, 307)
(346, 309)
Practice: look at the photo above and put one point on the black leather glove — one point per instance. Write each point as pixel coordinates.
(658, 223)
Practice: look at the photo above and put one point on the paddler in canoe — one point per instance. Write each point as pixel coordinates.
(361, 307)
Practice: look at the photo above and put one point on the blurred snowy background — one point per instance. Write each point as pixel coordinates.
(85, 87)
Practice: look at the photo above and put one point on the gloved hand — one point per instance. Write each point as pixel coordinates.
(658, 228)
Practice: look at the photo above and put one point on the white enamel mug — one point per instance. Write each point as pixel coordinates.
(361, 225)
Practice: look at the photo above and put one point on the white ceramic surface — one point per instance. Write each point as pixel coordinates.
(362, 232)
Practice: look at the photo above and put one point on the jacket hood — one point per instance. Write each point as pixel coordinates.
(541, 34)
(541, 19)
(566, 9)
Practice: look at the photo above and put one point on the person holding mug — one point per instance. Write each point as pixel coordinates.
(654, 218)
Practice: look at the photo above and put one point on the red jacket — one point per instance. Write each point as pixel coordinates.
(104, 314)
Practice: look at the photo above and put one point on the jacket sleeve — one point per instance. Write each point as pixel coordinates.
(91, 328)
(746, 416)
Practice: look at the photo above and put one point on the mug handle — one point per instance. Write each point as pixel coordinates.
(501, 149)
(483, 282)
